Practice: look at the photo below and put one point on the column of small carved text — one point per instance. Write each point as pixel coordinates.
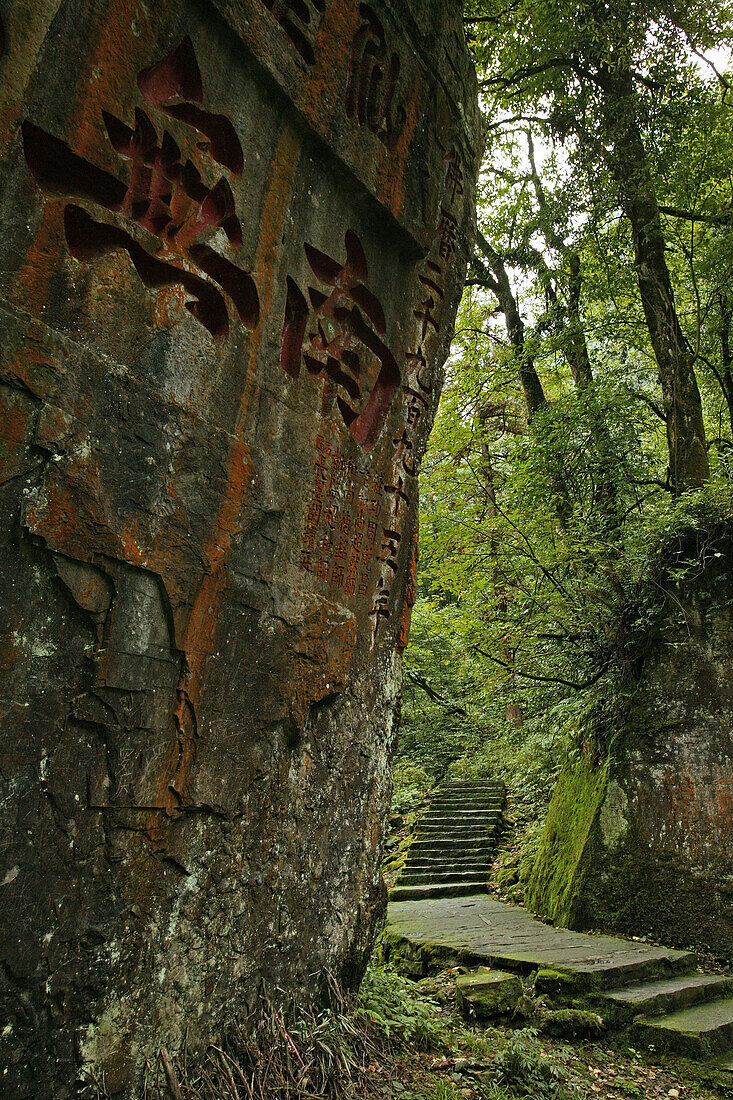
(417, 390)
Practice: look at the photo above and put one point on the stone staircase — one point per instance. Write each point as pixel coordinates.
(655, 994)
(690, 1014)
(454, 843)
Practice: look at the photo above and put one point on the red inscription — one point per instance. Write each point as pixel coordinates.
(372, 80)
(338, 545)
(165, 195)
(340, 335)
(299, 19)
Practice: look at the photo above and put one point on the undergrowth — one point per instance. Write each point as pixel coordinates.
(375, 1046)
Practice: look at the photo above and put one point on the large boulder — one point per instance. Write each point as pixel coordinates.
(234, 237)
(639, 833)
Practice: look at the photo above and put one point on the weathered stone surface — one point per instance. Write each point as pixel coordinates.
(233, 245)
(643, 844)
(486, 993)
(572, 1023)
(482, 930)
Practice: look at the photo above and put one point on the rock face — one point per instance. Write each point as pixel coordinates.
(643, 844)
(234, 235)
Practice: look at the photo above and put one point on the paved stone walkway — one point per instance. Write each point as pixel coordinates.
(657, 991)
(489, 932)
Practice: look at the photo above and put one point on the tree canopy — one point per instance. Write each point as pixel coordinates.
(588, 406)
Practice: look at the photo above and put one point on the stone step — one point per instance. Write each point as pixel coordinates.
(430, 864)
(696, 1032)
(456, 823)
(451, 847)
(456, 889)
(465, 811)
(474, 815)
(466, 784)
(652, 998)
(470, 813)
(469, 788)
(456, 873)
(461, 811)
(449, 875)
(486, 993)
(433, 836)
(447, 868)
(724, 1063)
(459, 821)
(439, 864)
(468, 802)
(467, 792)
(448, 848)
(479, 834)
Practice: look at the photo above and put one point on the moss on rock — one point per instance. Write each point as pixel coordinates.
(558, 871)
(573, 1023)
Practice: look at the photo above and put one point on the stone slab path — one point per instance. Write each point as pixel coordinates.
(657, 991)
(492, 933)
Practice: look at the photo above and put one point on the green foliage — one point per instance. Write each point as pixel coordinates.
(551, 544)
(522, 1068)
(411, 785)
(399, 1010)
(444, 1090)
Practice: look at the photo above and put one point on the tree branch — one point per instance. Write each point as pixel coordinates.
(582, 686)
(432, 693)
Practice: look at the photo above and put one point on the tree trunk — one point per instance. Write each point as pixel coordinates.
(512, 709)
(577, 354)
(534, 393)
(726, 360)
(688, 457)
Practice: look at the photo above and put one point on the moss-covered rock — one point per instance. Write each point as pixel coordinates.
(555, 982)
(487, 993)
(556, 881)
(572, 1023)
(639, 832)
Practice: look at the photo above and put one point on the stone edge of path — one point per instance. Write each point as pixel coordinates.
(420, 934)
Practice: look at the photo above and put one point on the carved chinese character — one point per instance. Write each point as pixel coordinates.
(337, 576)
(166, 195)
(352, 574)
(404, 448)
(342, 550)
(340, 334)
(447, 234)
(454, 177)
(312, 519)
(372, 80)
(390, 548)
(323, 446)
(298, 18)
(400, 496)
(417, 402)
(426, 312)
(371, 534)
(415, 405)
(380, 610)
